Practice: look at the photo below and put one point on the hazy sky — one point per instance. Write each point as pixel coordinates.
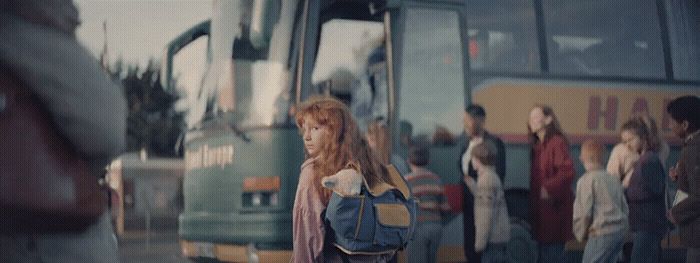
(137, 29)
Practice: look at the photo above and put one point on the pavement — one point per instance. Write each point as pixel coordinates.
(162, 245)
(156, 246)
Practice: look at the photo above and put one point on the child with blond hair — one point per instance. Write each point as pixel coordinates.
(491, 220)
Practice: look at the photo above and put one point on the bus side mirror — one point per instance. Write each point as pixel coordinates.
(174, 46)
(261, 23)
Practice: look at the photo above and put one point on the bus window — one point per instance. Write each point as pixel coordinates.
(605, 37)
(502, 35)
(684, 31)
(432, 77)
(351, 66)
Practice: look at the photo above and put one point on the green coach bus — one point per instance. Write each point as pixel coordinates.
(416, 65)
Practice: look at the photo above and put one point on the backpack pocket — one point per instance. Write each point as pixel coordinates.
(392, 224)
(349, 217)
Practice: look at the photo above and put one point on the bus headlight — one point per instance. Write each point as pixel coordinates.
(257, 199)
(274, 199)
(261, 191)
(260, 199)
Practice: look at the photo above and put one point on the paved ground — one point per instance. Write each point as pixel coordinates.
(162, 246)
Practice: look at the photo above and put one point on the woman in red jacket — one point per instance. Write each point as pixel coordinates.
(551, 176)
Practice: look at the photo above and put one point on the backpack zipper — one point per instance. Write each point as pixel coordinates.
(359, 219)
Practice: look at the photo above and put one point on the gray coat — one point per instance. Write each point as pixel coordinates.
(86, 107)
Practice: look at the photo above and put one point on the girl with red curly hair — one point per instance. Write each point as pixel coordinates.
(332, 142)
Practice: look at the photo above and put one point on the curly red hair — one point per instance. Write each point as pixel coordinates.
(345, 144)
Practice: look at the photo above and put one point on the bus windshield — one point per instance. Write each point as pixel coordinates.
(432, 76)
(351, 66)
(248, 79)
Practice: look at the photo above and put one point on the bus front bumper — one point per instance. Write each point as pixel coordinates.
(269, 231)
(232, 253)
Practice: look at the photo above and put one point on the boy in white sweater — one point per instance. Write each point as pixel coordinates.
(490, 210)
(600, 208)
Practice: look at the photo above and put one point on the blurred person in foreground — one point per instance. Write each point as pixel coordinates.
(39, 52)
(685, 115)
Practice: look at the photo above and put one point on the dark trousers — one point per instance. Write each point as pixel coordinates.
(551, 252)
(468, 226)
(646, 246)
(693, 255)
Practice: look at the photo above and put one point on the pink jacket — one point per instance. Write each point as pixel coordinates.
(308, 228)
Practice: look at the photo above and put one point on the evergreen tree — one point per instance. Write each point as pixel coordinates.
(152, 123)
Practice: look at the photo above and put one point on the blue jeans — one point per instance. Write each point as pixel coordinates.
(551, 252)
(425, 243)
(646, 247)
(495, 253)
(604, 248)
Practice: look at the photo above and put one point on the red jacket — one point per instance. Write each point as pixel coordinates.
(552, 169)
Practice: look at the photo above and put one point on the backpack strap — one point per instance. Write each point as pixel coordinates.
(378, 189)
(398, 181)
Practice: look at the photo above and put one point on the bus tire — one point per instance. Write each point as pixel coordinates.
(521, 248)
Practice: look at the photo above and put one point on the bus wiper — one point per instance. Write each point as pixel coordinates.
(222, 123)
(239, 133)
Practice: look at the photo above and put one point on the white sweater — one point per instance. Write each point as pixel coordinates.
(490, 211)
(622, 160)
(600, 207)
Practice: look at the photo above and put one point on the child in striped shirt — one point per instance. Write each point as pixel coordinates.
(428, 188)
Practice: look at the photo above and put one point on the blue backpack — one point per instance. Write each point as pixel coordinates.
(379, 220)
